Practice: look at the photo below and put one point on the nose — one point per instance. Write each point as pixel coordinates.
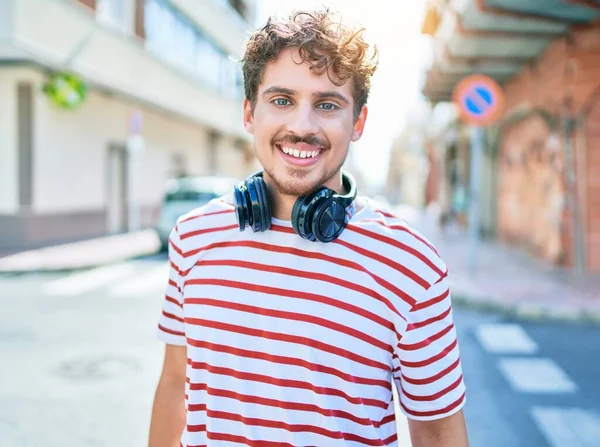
(304, 121)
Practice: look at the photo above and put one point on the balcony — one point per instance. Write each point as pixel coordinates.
(220, 20)
(70, 37)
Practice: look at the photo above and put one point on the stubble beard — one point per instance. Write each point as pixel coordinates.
(294, 184)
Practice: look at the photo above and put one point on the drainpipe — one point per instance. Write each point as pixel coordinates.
(577, 244)
(582, 175)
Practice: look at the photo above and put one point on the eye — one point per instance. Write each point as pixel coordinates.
(281, 102)
(328, 106)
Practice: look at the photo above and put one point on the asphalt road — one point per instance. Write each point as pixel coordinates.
(80, 363)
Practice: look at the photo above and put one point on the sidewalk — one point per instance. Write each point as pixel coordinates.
(83, 254)
(512, 281)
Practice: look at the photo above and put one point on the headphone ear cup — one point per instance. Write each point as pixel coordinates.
(241, 205)
(263, 203)
(296, 216)
(253, 205)
(329, 220)
(304, 210)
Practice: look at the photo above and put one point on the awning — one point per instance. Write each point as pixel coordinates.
(494, 37)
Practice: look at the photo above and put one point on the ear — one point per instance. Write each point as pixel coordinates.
(359, 124)
(248, 117)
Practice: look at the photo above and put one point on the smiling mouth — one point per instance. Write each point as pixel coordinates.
(296, 153)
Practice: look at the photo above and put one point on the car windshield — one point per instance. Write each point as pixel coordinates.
(183, 195)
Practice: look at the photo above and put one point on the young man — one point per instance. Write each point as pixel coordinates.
(290, 333)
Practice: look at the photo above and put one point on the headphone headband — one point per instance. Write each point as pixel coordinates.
(350, 185)
(318, 215)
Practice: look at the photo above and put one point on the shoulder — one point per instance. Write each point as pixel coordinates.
(387, 230)
(201, 225)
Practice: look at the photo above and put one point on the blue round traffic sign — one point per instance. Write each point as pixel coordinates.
(480, 100)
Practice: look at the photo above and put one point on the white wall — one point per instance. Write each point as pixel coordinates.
(413, 178)
(166, 134)
(70, 148)
(230, 159)
(9, 166)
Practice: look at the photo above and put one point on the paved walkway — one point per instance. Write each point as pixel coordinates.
(83, 254)
(511, 280)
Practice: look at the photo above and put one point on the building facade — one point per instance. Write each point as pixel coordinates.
(101, 101)
(541, 163)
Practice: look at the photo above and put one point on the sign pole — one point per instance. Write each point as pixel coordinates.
(477, 135)
(480, 101)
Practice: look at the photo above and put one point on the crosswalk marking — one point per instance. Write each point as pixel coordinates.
(536, 376)
(572, 427)
(151, 281)
(505, 339)
(83, 282)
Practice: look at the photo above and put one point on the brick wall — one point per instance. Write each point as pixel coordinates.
(586, 94)
(89, 3)
(532, 185)
(531, 191)
(592, 141)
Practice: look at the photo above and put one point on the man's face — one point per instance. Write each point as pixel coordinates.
(302, 125)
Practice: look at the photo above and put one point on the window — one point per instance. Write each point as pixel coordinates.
(175, 39)
(116, 13)
(208, 62)
(237, 7)
(156, 27)
(228, 75)
(185, 37)
(222, 2)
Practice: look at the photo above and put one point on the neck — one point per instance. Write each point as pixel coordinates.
(282, 204)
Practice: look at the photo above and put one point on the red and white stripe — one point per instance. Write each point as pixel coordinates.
(293, 343)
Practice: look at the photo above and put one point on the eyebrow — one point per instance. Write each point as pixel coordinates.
(317, 95)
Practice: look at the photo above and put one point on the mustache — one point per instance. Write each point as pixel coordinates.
(313, 140)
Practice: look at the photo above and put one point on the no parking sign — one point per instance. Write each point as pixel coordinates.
(480, 100)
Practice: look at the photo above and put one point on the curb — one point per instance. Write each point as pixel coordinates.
(73, 269)
(82, 255)
(538, 312)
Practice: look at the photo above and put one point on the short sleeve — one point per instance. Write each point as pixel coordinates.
(171, 324)
(428, 371)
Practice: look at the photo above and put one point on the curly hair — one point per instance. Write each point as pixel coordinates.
(325, 43)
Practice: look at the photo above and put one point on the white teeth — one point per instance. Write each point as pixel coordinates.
(300, 154)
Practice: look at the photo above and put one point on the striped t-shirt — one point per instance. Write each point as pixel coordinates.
(295, 343)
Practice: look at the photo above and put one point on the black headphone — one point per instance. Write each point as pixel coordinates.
(317, 216)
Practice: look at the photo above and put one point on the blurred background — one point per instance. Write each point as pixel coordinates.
(117, 116)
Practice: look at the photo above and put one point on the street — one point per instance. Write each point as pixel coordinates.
(80, 362)
(473, 128)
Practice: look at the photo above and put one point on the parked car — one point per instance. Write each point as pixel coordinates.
(183, 195)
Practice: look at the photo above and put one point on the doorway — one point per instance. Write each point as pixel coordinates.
(116, 207)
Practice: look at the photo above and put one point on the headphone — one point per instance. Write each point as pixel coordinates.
(317, 216)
